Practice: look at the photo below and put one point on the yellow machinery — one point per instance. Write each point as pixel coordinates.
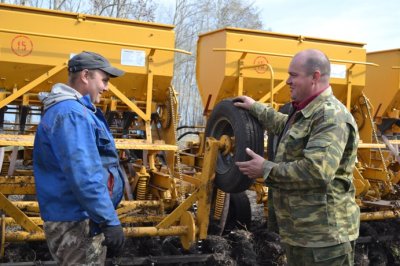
(383, 88)
(232, 62)
(141, 108)
(383, 83)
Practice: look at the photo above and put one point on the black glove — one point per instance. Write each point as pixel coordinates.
(114, 240)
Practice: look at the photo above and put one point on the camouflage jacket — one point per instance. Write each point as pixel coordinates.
(312, 175)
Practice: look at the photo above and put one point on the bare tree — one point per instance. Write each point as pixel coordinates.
(18, 2)
(73, 6)
(68, 5)
(143, 10)
(64, 5)
(192, 18)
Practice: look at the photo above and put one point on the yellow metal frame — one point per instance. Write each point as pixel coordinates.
(20, 217)
(132, 144)
(188, 228)
(273, 90)
(95, 41)
(32, 85)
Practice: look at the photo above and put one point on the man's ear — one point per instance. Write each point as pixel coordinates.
(316, 75)
(84, 76)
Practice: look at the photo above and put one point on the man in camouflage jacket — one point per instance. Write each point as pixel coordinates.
(312, 174)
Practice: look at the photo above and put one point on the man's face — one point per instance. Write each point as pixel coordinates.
(300, 83)
(97, 84)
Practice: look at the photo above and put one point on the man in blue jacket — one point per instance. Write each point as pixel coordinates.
(77, 174)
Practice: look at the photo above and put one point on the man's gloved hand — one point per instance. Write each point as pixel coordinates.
(114, 239)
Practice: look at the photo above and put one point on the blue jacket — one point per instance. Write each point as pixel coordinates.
(74, 159)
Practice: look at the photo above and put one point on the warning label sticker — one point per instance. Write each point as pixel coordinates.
(133, 58)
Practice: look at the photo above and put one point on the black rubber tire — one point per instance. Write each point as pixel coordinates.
(239, 215)
(227, 119)
(285, 109)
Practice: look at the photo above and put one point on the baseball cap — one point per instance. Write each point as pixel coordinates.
(90, 60)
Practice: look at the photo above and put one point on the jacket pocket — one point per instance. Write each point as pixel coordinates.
(103, 140)
(295, 144)
(309, 211)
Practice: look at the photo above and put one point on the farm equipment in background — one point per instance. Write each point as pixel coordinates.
(382, 92)
(382, 87)
(232, 62)
(171, 192)
(140, 107)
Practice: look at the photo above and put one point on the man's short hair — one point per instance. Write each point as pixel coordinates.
(317, 60)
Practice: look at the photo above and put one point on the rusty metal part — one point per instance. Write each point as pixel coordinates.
(166, 116)
(24, 185)
(226, 144)
(174, 104)
(21, 236)
(142, 219)
(208, 175)
(379, 215)
(9, 221)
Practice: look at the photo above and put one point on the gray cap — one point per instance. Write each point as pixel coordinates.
(90, 60)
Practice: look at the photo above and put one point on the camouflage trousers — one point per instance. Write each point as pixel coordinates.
(271, 219)
(70, 244)
(338, 255)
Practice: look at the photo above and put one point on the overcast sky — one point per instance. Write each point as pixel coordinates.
(374, 22)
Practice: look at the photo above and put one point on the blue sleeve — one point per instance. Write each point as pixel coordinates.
(74, 142)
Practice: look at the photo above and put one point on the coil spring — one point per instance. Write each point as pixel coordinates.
(219, 204)
(141, 188)
(4, 169)
(149, 196)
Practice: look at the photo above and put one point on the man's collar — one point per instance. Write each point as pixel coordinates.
(300, 106)
(85, 100)
(309, 109)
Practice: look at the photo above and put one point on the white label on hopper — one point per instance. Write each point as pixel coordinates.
(338, 71)
(133, 58)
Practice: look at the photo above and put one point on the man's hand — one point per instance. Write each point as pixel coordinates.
(254, 167)
(244, 102)
(114, 240)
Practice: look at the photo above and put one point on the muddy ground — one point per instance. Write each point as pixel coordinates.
(253, 246)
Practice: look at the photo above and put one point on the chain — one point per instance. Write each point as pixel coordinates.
(175, 125)
(367, 103)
